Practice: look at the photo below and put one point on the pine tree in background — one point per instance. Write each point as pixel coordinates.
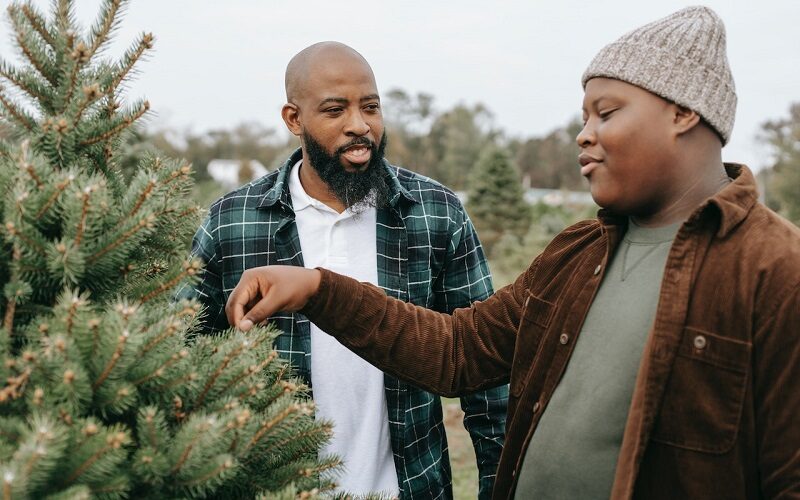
(496, 202)
(102, 391)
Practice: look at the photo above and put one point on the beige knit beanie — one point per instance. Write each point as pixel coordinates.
(681, 58)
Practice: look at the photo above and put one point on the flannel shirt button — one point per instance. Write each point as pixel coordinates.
(700, 342)
(598, 269)
(564, 338)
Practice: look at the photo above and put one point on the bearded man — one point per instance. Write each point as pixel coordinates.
(337, 203)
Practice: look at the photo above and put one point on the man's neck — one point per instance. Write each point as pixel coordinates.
(316, 188)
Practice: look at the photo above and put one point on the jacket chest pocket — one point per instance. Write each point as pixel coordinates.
(535, 319)
(703, 400)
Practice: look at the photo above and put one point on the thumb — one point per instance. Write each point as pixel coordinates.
(260, 311)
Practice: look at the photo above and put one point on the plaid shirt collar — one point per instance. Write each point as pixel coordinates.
(277, 188)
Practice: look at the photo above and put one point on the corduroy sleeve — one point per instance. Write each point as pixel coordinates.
(468, 350)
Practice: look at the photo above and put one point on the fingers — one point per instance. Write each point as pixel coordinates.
(262, 291)
(245, 293)
(262, 310)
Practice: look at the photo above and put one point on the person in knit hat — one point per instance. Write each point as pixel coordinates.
(651, 352)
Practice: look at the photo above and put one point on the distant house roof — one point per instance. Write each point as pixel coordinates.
(226, 172)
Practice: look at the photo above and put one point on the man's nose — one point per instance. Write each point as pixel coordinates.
(356, 125)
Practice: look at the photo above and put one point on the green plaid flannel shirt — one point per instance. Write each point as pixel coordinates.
(428, 254)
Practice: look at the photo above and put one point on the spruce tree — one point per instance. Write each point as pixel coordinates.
(104, 390)
(496, 202)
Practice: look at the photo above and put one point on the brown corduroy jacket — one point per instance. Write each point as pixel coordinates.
(716, 407)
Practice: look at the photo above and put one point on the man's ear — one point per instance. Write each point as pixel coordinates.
(291, 117)
(684, 119)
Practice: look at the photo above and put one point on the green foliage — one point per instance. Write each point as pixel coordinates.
(107, 393)
(496, 200)
(512, 255)
(783, 180)
(551, 161)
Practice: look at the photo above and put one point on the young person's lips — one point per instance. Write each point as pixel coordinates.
(588, 163)
(358, 154)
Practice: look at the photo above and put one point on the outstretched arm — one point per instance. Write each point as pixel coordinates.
(446, 354)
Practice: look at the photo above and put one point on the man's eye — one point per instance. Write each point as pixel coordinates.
(333, 110)
(372, 107)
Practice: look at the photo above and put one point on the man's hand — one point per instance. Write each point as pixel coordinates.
(263, 291)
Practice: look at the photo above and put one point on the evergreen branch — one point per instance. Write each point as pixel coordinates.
(311, 432)
(71, 313)
(160, 370)
(127, 122)
(37, 22)
(227, 464)
(15, 384)
(60, 187)
(121, 341)
(94, 326)
(135, 229)
(73, 80)
(186, 452)
(225, 361)
(29, 168)
(91, 93)
(143, 197)
(181, 172)
(104, 26)
(5, 150)
(11, 307)
(250, 370)
(64, 14)
(12, 76)
(13, 231)
(130, 59)
(18, 114)
(120, 488)
(84, 214)
(112, 442)
(178, 381)
(170, 330)
(39, 65)
(8, 320)
(190, 269)
(268, 425)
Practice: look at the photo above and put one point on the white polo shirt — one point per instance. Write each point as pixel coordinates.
(348, 391)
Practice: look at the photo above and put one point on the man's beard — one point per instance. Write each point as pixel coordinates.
(359, 190)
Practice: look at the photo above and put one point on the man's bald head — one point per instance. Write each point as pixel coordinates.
(318, 58)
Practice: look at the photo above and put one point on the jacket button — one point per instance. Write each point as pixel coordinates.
(536, 407)
(564, 338)
(700, 342)
(598, 269)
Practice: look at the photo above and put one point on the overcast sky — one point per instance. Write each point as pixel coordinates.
(219, 63)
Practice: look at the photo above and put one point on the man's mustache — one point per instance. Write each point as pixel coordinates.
(358, 141)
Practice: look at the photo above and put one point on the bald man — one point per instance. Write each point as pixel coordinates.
(337, 203)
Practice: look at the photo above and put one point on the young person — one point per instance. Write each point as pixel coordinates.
(652, 352)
